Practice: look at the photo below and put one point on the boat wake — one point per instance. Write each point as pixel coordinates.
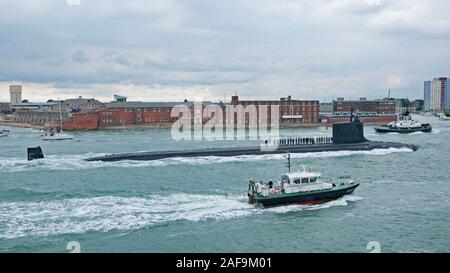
(77, 162)
(344, 201)
(109, 213)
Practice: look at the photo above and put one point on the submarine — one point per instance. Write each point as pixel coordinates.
(347, 136)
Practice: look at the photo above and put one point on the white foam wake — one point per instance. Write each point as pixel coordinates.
(344, 201)
(76, 162)
(18, 219)
(103, 214)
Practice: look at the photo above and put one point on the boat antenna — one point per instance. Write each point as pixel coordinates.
(288, 157)
(60, 116)
(352, 111)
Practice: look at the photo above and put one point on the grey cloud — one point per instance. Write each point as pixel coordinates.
(308, 48)
(80, 57)
(123, 61)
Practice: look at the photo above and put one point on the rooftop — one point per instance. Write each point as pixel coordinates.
(139, 104)
(302, 174)
(81, 100)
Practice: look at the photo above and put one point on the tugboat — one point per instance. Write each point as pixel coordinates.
(301, 187)
(404, 125)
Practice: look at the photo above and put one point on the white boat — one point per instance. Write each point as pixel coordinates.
(426, 114)
(405, 125)
(57, 135)
(444, 118)
(302, 187)
(3, 132)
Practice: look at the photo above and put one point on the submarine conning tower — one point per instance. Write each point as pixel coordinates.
(349, 132)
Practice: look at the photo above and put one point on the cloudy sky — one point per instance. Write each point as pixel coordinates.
(167, 50)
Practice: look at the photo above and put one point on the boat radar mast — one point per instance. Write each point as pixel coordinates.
(288, 157)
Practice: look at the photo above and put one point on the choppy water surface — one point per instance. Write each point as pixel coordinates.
(199, 204)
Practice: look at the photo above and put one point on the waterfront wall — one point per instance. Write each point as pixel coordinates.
(122, 119)
(82, 121)
(34, 118)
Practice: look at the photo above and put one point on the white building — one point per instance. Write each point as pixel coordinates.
(436, 95)
(15, 92)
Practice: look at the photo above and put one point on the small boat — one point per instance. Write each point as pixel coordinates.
(301, 187)
(56, 135)
(426, 114)
(443, 117)
(4, 132)
(404, 125)
(53, 135)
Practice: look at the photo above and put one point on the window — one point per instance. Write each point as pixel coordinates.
(297, 181)
(313, 179)
(305, 180)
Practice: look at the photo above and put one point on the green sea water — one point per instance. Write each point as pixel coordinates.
(200, 204)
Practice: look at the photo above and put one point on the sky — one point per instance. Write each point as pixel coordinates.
(171, 50)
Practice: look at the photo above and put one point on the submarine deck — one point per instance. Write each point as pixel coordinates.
(256, 150)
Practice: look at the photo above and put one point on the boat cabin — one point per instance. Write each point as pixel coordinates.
(305, 180)
(299, 178)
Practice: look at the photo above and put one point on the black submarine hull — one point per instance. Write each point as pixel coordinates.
(347, 136)
(229, 152)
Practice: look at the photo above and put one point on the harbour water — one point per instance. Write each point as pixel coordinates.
(200, 204)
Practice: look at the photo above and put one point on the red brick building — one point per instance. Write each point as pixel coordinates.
(82, 121)
(364, 105)
(292, 112)
(121, 113)
(369, 111)
(137, 113)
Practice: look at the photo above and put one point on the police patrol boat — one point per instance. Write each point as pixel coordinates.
(404, 125)
(300, 187)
